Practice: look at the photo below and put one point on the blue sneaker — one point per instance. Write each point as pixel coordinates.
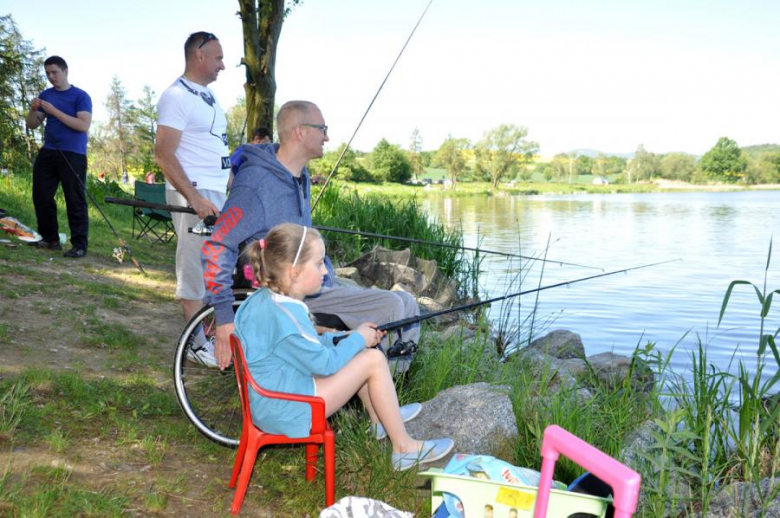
(432, 451)
(408, 412)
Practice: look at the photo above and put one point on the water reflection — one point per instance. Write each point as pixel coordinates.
(720, 237)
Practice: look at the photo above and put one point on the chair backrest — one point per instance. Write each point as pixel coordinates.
(245, 380)
(154, 193)
(239, 365)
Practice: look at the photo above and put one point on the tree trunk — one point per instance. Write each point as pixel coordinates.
(261, 21)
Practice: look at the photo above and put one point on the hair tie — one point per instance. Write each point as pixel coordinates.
(261, 241)
(300, 246)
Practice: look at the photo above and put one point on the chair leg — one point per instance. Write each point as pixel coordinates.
(239, 459)
(247, 467)
(330, 468)
(311, 461)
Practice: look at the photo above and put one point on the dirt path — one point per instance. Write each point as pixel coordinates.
(103, 321)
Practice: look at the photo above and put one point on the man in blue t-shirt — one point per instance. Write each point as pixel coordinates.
(67, 111)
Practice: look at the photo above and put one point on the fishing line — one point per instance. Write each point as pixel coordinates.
(189, 210)
(413, 320)
(344, 152)
(100, 210)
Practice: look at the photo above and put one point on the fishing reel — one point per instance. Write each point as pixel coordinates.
(204, 227)
(400, 348)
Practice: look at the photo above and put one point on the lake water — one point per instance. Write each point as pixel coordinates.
(718, 237)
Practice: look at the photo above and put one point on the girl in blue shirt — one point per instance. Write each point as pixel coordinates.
(284, 352)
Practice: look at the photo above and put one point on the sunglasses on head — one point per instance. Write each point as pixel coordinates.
(207, 39)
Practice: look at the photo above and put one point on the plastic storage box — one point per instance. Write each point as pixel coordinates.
(489, 499)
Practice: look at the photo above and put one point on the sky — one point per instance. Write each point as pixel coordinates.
(607, 75)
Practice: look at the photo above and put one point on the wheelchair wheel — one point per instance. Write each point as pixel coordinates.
(208, 396)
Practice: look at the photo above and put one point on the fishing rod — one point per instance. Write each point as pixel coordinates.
(344, 152)
(95, 203)
(179, 208)
(398, 324)
(445, 245)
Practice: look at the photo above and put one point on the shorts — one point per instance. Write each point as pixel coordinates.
(189, 272)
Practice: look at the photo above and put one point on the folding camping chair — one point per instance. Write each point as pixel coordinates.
(152, 222)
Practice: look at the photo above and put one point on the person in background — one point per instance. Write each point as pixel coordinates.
(192, 152)
(67, 111)
(150, 177)
(261, 135)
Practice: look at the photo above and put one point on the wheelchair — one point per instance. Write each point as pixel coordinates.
(209, 397)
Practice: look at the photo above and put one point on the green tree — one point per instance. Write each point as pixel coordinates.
(236, 116)
(724, 161)
(451, 156)
(678, 166)
(390, 163)
(426, 157)
(584, 165)
(21, 80)
(261, 23)
(614, 165)
(503, 149)
(544, 169)
(121, 121)
(764, 169)
(644, 166)
(350, 168)
(145, 131)
(560, 167)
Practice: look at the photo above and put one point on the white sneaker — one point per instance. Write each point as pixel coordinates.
(203, 354)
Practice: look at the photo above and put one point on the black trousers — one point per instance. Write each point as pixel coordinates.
(49, 171)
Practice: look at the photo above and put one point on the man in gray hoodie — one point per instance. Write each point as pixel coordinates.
(272, 187)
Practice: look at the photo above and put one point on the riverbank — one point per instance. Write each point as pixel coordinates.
(395, 190)
(89, 423)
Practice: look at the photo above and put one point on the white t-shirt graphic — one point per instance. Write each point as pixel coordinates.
(203, 151)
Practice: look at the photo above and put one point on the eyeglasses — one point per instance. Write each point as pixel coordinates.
(207, 39)
(322, 127)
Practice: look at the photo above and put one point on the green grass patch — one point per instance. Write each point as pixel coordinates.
(5, 333)
(114, 336)
(48, 492)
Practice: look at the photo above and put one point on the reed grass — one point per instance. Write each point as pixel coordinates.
(343, 208)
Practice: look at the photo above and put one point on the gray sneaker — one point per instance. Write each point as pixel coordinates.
(203, 354)
(408, 412)
(432, 451)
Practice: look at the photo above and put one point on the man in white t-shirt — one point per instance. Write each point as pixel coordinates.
(192, 151)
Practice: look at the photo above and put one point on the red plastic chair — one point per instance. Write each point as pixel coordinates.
(252, 438)
(624, 481)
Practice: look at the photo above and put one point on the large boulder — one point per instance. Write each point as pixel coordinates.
(561, 355)
(741, 499)
(613, 369)
(636, 447)
(560, 343)
(385, 269)
(478, 417)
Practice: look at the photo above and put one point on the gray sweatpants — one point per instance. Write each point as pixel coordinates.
(357, 305)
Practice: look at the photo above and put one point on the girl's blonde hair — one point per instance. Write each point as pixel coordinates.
(270, 257)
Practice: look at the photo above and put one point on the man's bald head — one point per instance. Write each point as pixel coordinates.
(291, 115)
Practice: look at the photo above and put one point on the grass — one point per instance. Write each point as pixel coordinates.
(709, 431)
(16, 199)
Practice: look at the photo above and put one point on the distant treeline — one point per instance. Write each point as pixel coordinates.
(126, 142)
